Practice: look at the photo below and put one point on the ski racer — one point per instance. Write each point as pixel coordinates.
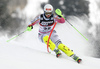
(46, 22)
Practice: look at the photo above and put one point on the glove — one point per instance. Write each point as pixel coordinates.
(29, 28)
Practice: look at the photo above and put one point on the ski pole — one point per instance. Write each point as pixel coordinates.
(58, 11)
(16, 36)
(76, 30)
(50, 36)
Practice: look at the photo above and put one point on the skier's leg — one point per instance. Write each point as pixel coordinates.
(52, 46)
(55, 39)
(59, 45)
(44, 38)
(69, 52)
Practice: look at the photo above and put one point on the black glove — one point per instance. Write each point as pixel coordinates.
(59, 16)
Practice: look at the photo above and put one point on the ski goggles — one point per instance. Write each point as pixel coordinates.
(48, 13)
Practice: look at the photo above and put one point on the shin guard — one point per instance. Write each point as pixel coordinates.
(65, 49)
(51, 44)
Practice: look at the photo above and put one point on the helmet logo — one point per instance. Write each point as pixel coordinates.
(48, 9)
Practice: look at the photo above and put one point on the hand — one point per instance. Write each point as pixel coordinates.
(59, 13)
(29, 28)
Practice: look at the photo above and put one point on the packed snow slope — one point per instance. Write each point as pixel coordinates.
(27, 52)
(15, 56)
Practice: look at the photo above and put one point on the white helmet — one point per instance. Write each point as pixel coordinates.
(48, 8)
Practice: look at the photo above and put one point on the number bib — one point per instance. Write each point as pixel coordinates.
(46, 24)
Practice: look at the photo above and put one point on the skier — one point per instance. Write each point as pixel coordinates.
(46, 22)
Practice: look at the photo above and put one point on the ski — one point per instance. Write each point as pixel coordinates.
(76, 58)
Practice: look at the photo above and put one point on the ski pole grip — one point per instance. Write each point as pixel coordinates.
(58, 12)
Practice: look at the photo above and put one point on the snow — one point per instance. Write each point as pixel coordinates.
(27, 52)
(16, 56)
(33, 7)
(94, 12)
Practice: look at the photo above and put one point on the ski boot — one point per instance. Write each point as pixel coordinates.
(58, 53)
(76, 58)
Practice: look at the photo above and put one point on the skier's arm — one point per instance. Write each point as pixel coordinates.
(33, 22)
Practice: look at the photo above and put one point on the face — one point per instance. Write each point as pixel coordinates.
(48, 14)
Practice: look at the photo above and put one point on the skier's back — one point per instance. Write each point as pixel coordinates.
(46, 22)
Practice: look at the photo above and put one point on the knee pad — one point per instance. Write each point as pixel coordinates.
(51, 44)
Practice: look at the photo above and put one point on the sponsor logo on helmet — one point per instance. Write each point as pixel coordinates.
(48, 9)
